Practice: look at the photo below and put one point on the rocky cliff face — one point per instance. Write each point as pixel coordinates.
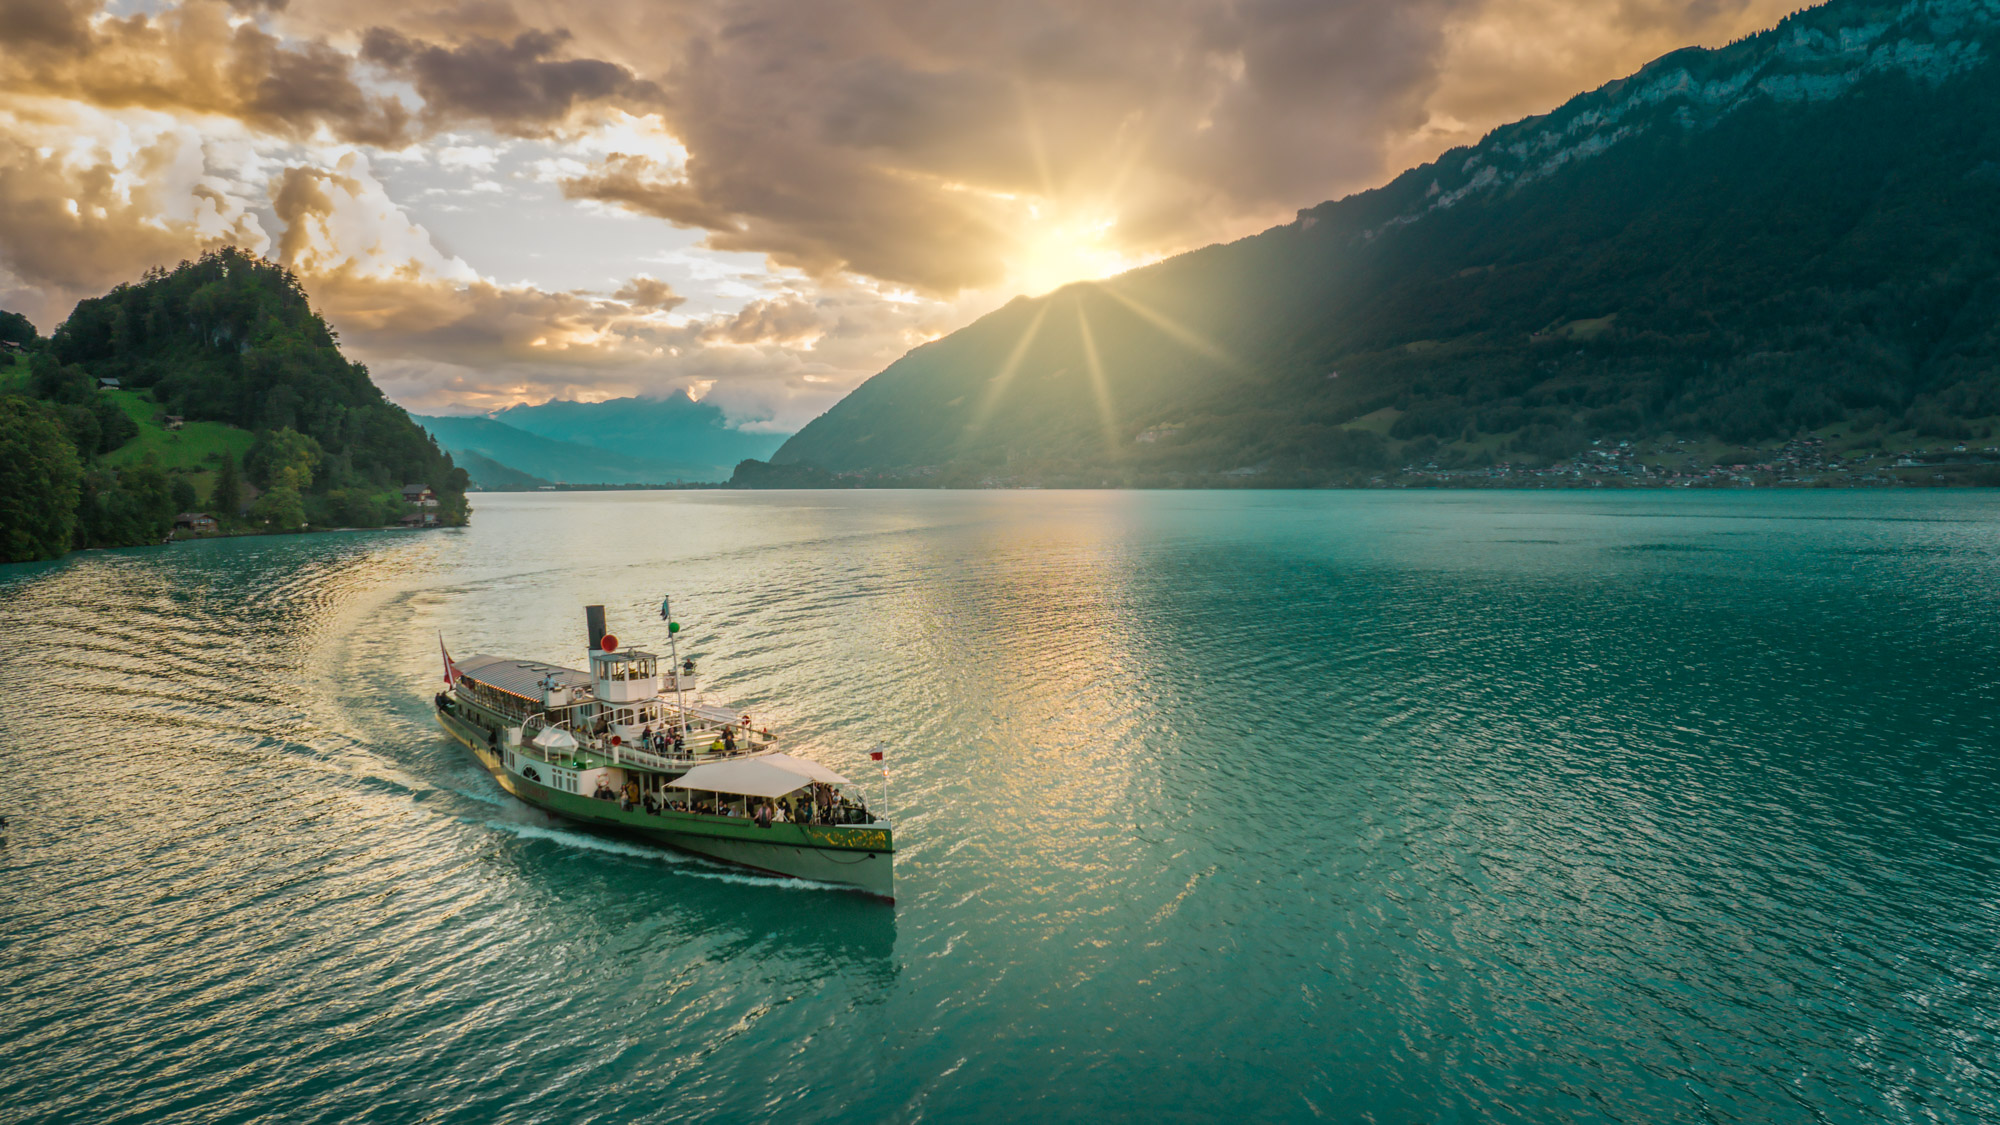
(1813, 56)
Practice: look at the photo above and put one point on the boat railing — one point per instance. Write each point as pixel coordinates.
(601, 745)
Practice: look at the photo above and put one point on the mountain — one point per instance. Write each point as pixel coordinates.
(492, 476)
(1795, 237)
(554, 461)
(172, 392)
(675, 429)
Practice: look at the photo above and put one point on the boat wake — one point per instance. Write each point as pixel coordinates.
(692, 866)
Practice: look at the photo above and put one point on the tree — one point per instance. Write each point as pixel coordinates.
(182, 490)
(17, 329)
(39, 471)
(114, 426)
(52, 381)
(281, 508)
(124, 509)
(226, 497)
(283, 458)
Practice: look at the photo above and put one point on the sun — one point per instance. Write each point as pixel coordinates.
(1053, 251)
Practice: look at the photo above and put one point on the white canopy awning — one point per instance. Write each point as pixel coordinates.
(754, 777)
(804, 768)
(554, 738)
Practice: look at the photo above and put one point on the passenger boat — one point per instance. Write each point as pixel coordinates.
(621, 746)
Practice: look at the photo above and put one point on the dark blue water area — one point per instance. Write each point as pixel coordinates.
(1391, 807)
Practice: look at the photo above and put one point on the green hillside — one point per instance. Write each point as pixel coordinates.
(1788, 241)
(271, 410)
(196, 446)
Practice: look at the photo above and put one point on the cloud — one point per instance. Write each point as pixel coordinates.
(784, 320)
(940, 153)
(197, 58)
(899, 170)
(643, 292)
(341, 221)
(89, 200)
(516, 87)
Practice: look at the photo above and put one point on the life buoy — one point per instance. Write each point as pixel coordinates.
(609, 643)
(617, 741)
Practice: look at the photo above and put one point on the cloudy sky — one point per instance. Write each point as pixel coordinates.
(762, 201)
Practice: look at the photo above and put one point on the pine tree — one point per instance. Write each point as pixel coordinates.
(227, 495)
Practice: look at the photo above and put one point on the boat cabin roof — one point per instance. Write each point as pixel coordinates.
(521, 677)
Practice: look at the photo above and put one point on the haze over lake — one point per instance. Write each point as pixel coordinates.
(1279, 806)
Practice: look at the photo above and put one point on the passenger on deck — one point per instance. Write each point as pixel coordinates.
(729, 739)
(631, 796)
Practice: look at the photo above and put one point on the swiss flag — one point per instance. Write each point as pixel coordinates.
(450, 669)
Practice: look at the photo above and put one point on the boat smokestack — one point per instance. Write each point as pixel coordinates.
(593, 615)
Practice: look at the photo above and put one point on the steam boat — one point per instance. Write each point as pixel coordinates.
(622, 747)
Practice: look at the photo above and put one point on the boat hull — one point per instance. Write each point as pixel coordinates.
(858, 856)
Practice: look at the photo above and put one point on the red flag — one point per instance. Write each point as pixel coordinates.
(875, 754)
(450, 669)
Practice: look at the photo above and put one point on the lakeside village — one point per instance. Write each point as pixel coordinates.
(1801, 463)
(420, 506)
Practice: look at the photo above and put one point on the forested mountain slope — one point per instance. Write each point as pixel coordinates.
(1797, 232)
(218, 357)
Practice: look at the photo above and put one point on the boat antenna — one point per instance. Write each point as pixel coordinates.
(674, 654)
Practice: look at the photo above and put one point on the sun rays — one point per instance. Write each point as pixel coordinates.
(1106, 415)
(1007, 371)
(1180, 333)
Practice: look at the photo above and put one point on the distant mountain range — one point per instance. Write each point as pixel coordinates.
(1795, 235)
(622, 441)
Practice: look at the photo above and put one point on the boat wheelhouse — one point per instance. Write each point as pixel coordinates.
(629, 745)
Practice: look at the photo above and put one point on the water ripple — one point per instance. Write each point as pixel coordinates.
(1487, 808)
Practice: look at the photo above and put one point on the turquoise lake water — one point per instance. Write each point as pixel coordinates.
(1453, 807)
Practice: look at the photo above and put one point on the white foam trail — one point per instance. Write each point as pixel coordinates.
(591, 843)
(785, 882)
(692, 866)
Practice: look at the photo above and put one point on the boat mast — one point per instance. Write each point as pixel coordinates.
(674, 655)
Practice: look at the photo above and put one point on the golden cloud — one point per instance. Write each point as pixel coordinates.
(195, 58)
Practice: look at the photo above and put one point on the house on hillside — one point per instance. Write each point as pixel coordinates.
(195, 523)
(175, 421)
(108, 384)
(425, 501)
